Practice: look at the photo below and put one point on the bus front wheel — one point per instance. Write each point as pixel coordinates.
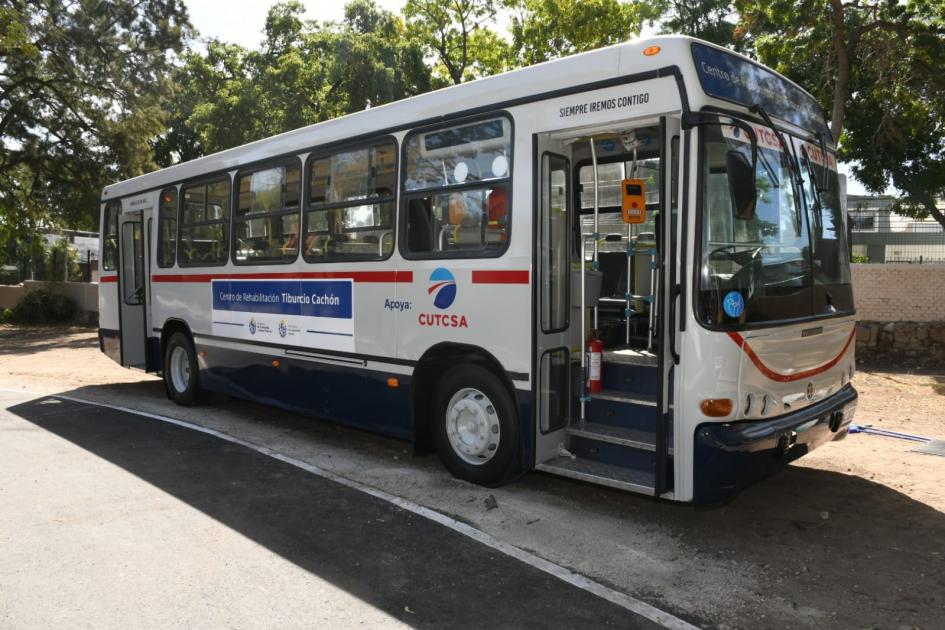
(475, 426)
(181, 375)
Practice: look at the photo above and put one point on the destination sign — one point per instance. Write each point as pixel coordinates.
(738, 80)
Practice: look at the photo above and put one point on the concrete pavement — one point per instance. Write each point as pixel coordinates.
(109, 519)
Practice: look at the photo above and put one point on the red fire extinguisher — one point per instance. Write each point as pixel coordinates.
(595, 368)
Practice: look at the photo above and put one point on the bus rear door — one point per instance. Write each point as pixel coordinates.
(132, 289)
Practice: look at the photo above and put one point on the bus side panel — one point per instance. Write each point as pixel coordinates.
(352, 396)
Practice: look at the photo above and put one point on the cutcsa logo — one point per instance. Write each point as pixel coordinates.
(442, 287)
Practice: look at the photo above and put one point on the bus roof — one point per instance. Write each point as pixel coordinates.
(497, 91)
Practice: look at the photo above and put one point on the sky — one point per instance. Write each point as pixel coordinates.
(241, 22)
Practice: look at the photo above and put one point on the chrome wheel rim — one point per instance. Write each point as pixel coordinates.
(179, 369)
(472, 426)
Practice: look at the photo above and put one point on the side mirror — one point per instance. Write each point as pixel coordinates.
(741, 185)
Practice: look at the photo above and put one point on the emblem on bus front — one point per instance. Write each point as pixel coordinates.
(442, 287)
(810, 391)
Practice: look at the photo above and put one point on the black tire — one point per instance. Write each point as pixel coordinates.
(505, 463)
(188, 395)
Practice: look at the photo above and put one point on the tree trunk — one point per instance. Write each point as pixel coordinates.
(842, 86)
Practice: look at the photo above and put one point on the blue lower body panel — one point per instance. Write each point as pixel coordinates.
(730, 456)
(353, 396)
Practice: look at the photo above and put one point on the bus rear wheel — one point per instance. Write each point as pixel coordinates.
(475, 426)
(181, 374)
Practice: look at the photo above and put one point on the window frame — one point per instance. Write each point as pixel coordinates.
(405, 196)
(228, 223)
(569, 236)
(234, 194)
(699, 183)
(328, 151)
(177, 212)
(106, 225)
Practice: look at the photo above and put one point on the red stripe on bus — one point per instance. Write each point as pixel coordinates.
(787, 378)
(500, 277)
(357, 276)
(108, 279)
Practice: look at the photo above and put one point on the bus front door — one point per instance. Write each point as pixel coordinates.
(132, 277)
(554, 373)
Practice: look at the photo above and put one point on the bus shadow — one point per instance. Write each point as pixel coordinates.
(410, 567)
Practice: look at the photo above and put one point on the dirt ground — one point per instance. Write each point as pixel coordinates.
(851, 536)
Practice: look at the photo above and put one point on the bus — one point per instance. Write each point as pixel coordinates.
(628, 267)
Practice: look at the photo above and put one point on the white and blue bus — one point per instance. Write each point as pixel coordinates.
(436, 270)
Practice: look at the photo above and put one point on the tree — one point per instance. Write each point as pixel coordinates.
(877, 67)
(303, 73)
(546, 29)
(457, 34)
(711, 20)
(80, 91)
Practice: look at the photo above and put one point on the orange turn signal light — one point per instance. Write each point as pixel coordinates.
(649, 51)
(716, 407)
(393, 383)
(275, 363)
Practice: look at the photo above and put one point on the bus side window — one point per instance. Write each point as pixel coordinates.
(350, 211)
(110, 242)
(167, 228)
(203, 235)
(456, 185)
(266, 225)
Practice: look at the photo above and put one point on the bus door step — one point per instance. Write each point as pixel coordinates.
(601, 474)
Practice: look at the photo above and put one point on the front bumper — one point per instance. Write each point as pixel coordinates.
(730, 456)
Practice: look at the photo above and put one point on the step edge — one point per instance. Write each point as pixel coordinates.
(595, 479)
(615, 395)
(613, 439)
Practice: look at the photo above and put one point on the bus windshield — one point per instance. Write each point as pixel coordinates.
(786, 262)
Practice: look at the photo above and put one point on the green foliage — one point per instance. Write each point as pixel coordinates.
(6, 316)
(859, 258)
(460, 36)
(877, 66)
(61, 254)
(711, 20)
(547, 29)
(303, 73)
(43, 306)
(80, 91)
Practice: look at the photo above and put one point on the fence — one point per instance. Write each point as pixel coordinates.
(914, 242)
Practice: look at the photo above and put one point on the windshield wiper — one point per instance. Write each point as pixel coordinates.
(792, 163)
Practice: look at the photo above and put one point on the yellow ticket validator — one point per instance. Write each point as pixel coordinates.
(634, 200)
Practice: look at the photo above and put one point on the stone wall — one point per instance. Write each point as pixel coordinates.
(901, 344)
(899, 293)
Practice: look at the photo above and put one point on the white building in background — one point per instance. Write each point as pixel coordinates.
(882, 235)
(870, 213)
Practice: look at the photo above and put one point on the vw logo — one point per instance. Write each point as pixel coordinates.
(810, 391)
(442, 287)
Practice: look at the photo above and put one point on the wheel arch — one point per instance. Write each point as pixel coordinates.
(171, 326)
(435, 362)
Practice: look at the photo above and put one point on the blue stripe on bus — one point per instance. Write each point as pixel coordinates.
(325, 332)
(229, 323)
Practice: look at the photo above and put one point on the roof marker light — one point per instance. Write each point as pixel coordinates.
(649, 51)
